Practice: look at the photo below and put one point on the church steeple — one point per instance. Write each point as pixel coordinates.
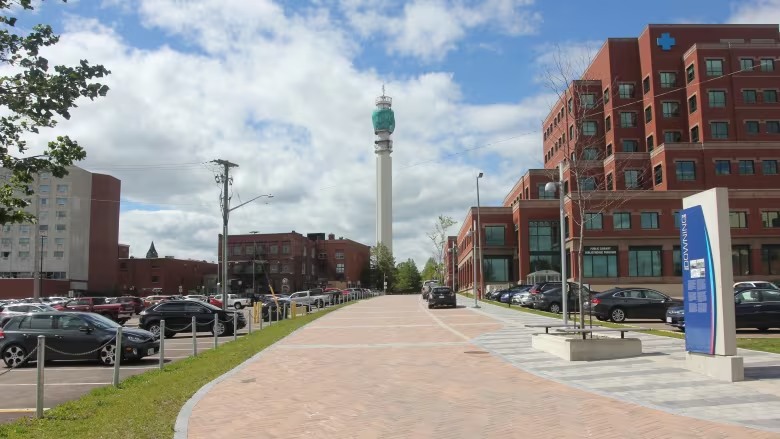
(152, 253)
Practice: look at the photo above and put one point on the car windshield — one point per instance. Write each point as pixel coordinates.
(768, 285)
(100, 322)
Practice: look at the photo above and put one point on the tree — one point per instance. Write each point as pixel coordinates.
(33, 98)
(438, 237)
(408, 276)
(580, 132)
(383, 264)
(431, 270)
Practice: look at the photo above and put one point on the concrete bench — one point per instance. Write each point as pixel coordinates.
(585, 331)
(554, 325)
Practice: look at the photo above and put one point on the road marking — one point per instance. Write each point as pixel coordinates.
(373, 346)
(370, 326)
(30, 410)
(57, 384)
(444, 325)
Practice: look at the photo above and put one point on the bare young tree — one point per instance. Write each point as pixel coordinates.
(438, 237)
(595, 168)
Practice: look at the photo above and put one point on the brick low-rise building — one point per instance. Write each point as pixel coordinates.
(167, 275)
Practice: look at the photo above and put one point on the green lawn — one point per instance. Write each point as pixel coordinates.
(146, 405)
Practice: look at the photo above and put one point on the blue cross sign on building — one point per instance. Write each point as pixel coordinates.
(665, 41)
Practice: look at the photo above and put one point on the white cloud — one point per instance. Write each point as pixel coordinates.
(755, 11)
(282, 98)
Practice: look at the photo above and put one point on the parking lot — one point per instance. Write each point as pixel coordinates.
(67, 380)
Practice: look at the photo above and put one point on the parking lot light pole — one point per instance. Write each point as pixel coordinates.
(479, 243)
(474, 265)
(550, 188)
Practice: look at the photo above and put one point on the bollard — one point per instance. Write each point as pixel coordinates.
(117, 355)
(194, 336)
(251, 317)
(261, 316)
(162, 343)
(40, 381)
(277, 314)
(216, 333)
(235, 325)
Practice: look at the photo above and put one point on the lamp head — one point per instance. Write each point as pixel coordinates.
(551, 187)
(480, 175)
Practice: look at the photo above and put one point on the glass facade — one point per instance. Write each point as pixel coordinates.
(676, 261)
(770, 258)
(496, 268)
(644, 261)
(494, 235)
(740, 260)
(621, 220)
(600, 262)
(544, 245)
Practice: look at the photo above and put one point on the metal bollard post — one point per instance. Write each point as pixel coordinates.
(162, 344)
(235, 326)
(261, 316)
(277, 315)
(194, 336)
(117, 355)
(40, 382)
(216, 333)
(251, 317)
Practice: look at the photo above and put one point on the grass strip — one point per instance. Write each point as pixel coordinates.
(146, 405)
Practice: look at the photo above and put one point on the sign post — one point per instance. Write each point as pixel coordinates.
(708, 293)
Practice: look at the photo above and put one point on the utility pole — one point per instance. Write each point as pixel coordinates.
(226, 181)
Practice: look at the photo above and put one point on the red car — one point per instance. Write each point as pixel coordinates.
(216, 302)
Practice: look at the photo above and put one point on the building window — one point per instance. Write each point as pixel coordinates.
(646, 85)
(43, 227)
(621, 220)
(671, 109)
(496, 268)
(773, 127)
(770, 258)
(717, 98)
(340, 268)
(769, 167)
(746, 64)
(587, 183)
(632, 179)
(45, 175)
(156, 279)
(44, 189)
(236, 250)
(692, 104)
(608, 123)
(749, 96)
(770, 219)
(24, 254)
(751, 126)
(6, 242)
(767, 65)
(626, 91)
(720, 130)
(24, 229)
(695, 134)
(648, 114)
(676, 215)
(495, 235)
(44, 202)
(740, 260)
(676, 261)
(627, 119)
(686, 170)
(59, 241)
(286, 268)
(544, 245)
(274, 249)
(770, 96)
(59, 254)
(339, 254)
(746, 167)
(571, 132)
(722, 167)
(668, 79)
(650, 143)
(738, 220)
(606, 95)
(590, 154)
(543, 194)
(285, 248)
(62, 188)
(630, 146)
(274, 267)
(587, 100)
(649, 220)
(714, 67)
(658, 174)
(589, 128)
(672, 137)
(594, 221)
(600, 262)
(609, 150)
(690, 73)
(610, 182)
(60, 227)
(644, 261)
(24, 242)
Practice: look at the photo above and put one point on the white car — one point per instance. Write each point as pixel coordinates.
(756, 284)
(197, 297)
(235, 301)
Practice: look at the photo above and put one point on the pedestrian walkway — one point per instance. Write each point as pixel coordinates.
(390, 368)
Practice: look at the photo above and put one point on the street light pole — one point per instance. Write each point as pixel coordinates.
(254, 257)
(550, 188)
(474, 264)
(43, 234)
(479, 243)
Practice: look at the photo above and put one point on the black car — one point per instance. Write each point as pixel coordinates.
(269, 309)
(72, 336)
(441, 296)
(178, 316)
(619, 304)
(551, 299)
(754, 308)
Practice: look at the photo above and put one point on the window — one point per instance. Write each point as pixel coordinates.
(714, 67)
(45, 175)
(672, 137)
(632, 179)
(692, 104)
(658, 174)
(236, 250)
(339, 254)
(610, 182)
(24, 229)
(686, 170)
(738, 220)
(769, 167)
(496, 268)
(59, 254)
(544, 245)
(340, 268)
(746, 167)
(24, 254)
(59, 241)
(749, 96)
(630, 146)
(671, 109)
(608, 123)
(495, 235)
(649, 220)
(542, 192)
(6, 228)
(720, 130)
(587, 100)
(587, 183)
(626, 91)
(285, 248)
(609, 150)
(650, 143)
(571, 132)
(594, 221)
(767, 65)
(569, 105)
(589, 128)
(717, 98)
(62, 188)
(627, 119)
(274, 249)
(606, 95)
(286, 268)
(740, 260)
(648, 114)
(690, 73)
(590, 154)
(644, 261)
(746, 64)
(751, 126)
(770, 219)
(773, 127)
(44, 202)
(668, 79)
(770, 96)
(621, 220)
(676, 261)
(722, 167)
(274, 267)
(676, 215)
(43, 227)
(24, 241)
(600, 262)
(6, 242)
(62, 201)
(60, 227)
(44, 189)
(770, 258)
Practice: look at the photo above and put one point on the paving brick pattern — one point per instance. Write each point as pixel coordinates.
(390, 368)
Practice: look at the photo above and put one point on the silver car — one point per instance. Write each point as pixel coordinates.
(16, 309)
(523, 298)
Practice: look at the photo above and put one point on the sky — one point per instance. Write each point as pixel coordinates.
(285, 89)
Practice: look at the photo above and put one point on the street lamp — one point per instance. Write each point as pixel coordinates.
(550, 188)
(453, 250)
(479, 243)
(470, 233)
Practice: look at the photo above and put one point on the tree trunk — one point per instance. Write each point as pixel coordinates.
(580, 260)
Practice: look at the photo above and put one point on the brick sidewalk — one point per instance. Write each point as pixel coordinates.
(389, 368)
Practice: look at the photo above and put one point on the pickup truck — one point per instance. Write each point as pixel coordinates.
(235, 300)
(306, 298)
(118, 312)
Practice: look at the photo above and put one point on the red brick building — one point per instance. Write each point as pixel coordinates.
(678, 110)
(342, 263)
(167, 275)
(499, 247)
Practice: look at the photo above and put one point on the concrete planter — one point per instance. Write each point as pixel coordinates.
(574, 348)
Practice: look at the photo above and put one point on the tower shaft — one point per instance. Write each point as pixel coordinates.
(384, 125)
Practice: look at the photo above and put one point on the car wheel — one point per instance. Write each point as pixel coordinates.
(14, 356)
(430, 306)
(617, 315)
(763, 329)
(220, 330)
(154, 328)
(554, 308)
(320, 304)
(237, 305)
(107, 355)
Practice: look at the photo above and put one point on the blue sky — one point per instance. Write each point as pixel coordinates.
(286, 90)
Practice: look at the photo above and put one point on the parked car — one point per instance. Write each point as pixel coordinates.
(507, 294)
(551, 299)
(197, 297)
(754, 308)
(74, 333)
(178, 316)
(438, 296)
(8, 311)
(154, 300)
(619, 304)
(756, 284)
(270, 305)
(118, 312)
(304, 298)
(335, 295)
(426, 288)
(234, 300)
(321, 298)
(523, 297)
(136, 302)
